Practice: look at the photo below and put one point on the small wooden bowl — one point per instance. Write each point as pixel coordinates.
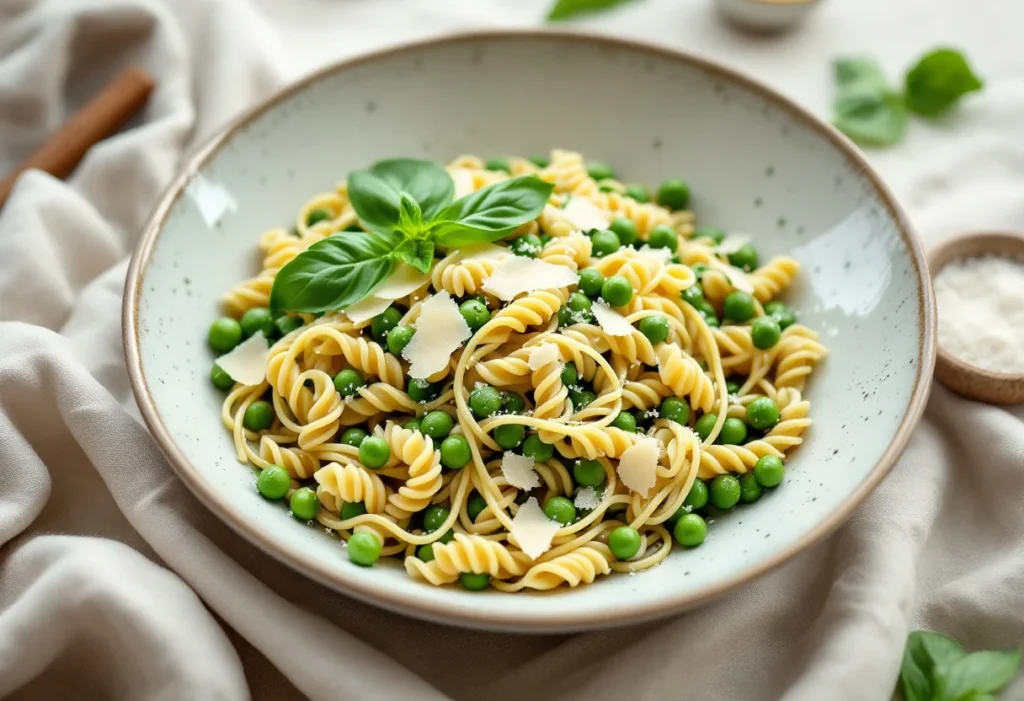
(956, 374)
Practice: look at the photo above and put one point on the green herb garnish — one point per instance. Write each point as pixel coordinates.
(564, 9)
(937, 668)
(407, 208)
(872, 114)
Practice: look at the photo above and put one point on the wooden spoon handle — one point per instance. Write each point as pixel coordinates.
(97, 120)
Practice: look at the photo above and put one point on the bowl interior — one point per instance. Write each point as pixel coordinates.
(755, 164)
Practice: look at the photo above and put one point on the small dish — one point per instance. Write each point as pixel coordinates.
(965, 378)
(765, 15)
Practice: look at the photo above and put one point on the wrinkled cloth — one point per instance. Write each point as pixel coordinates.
(116, 583)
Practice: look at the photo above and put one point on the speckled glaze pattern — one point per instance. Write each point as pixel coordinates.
(756, 164)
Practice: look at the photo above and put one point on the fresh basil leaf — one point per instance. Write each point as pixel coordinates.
(980, 697)
(979, 673)
(376, 202)
(424, 181)
(859, 73)
(564, 9)
(938, 81)
(942, 649)
(333, 273)
(419, 254)
(410, 217)
(914, 680)
(490, 213)
(870, 118)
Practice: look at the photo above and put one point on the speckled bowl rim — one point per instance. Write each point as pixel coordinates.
(624, 612)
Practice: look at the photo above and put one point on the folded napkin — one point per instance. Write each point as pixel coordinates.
(116, 583)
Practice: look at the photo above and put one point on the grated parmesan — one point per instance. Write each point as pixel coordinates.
(587, 499)
(440, 330)
(247, 362)
(532, 529)
(516, 275)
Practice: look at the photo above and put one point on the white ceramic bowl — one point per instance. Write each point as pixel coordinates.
(756, 163)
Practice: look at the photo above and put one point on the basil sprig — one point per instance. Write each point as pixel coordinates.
(408, 208)
(937, 668)
(564, 9)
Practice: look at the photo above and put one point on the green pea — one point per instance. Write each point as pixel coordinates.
(225, 333)
(475, 505)
(734, 432)
(733, 387)
(738, 306)
(698, 496)
(769, 471)
(363, 548)
(413, 424)
(509, 436)
(316, 216)
(745, 257)
(498, 164)
(485, 401)
(654, 327)
(600, 171)
(434, 517)
(288, 323)
(663, 237)
(455, 452)
(582, 399)
(588, 473)
(579, 302)
(528, 245)
(638, 193)
(709, 232)
(220, 378)
(561, 510)
(782, 313)
(690, 530)
(607, 186)
(590, 282)
(765, 332)
(448, 536)
(625, 229)
(699, 269)
(694, 295)
(545, 239)
(304, 504)
(540, 161)
(425, 552)
(625, 421)
(624, 542)
(565, 316)
(750, 490)
(420, 390)
(437, 425)
(258, 416)
(604, 243)
(257, 319)
(512, 402)
(351, 509)
(617, 291)
(534, 447)
(710, 319)
(384, 322)
(674, 409)
(471, 581)
(705, 425)
(374, 452)
(570, 375)
(273, 482)
(724, 492)
(354, 436)
(674, 194)
(347, 382)
(399, 337)
(763, 413)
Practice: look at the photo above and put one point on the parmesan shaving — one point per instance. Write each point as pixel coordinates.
(440, 330)
(737, 278)
(731, 244)
(639, 464)
(613, 323)
(518, 471)
(516, 275)
(402, 282)
(584, 214)
(587, 499)
(463, 180)
(366, 308)
(543, 354)
(532, 530)
(484, 251)
(247, 363)
(662, 255)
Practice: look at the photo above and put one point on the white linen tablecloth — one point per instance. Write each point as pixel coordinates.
(116, 583)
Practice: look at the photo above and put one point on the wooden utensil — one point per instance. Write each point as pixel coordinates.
(956, 374)
(97, 120)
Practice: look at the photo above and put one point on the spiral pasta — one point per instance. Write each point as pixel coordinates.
(420, 469)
